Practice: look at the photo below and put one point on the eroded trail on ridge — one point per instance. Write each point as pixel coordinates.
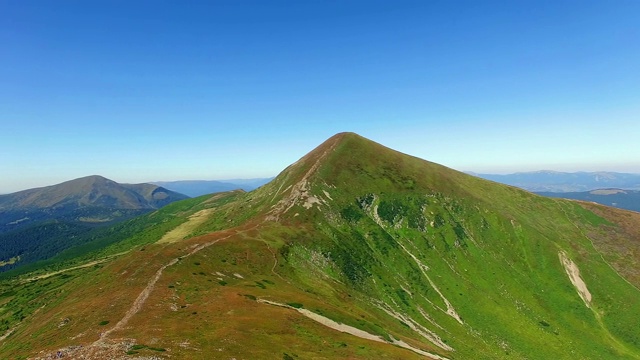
(85, 265)
(142, 297)
(300, 191)
(352, 330)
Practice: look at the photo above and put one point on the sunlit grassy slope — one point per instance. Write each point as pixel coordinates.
(402, 249)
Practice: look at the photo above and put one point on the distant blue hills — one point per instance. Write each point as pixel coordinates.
(194, 188)
(621, 190)
(554, 181)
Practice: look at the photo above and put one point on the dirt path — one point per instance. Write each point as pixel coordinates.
(352, 330)
(137, 304)
(275, 261)
(300, 191)
(91, 263)
(9, 332)
(142, 298)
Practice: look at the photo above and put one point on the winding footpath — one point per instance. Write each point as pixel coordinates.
(142, 297)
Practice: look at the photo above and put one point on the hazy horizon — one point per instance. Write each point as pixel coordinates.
(214, 90)
(2, 192)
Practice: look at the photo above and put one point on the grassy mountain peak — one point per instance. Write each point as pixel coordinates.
(354, 251)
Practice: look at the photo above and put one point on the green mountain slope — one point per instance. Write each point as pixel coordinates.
(354, 251)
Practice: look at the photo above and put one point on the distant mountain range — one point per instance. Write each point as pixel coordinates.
(621, 190)
(623, 199)
(38, 223)
(196, 188)
(90, 191)
(553, 181)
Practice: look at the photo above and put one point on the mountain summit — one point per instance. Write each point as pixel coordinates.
(346, 163)
(355, 251)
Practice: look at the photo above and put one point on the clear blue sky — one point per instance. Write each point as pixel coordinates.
(156, 90)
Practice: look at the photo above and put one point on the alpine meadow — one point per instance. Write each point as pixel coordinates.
(355, 251)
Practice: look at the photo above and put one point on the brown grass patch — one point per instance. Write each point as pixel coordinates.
(619, 243)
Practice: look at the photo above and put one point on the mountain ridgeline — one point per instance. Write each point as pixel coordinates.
(95, 191)
(354, 251)
(620, 198)
(560, 182)
(36, 224)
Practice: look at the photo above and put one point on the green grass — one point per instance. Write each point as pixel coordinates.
(400, 241)
(492, 250)
(250, 297)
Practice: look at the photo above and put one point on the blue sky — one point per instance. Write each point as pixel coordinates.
(165, 90)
